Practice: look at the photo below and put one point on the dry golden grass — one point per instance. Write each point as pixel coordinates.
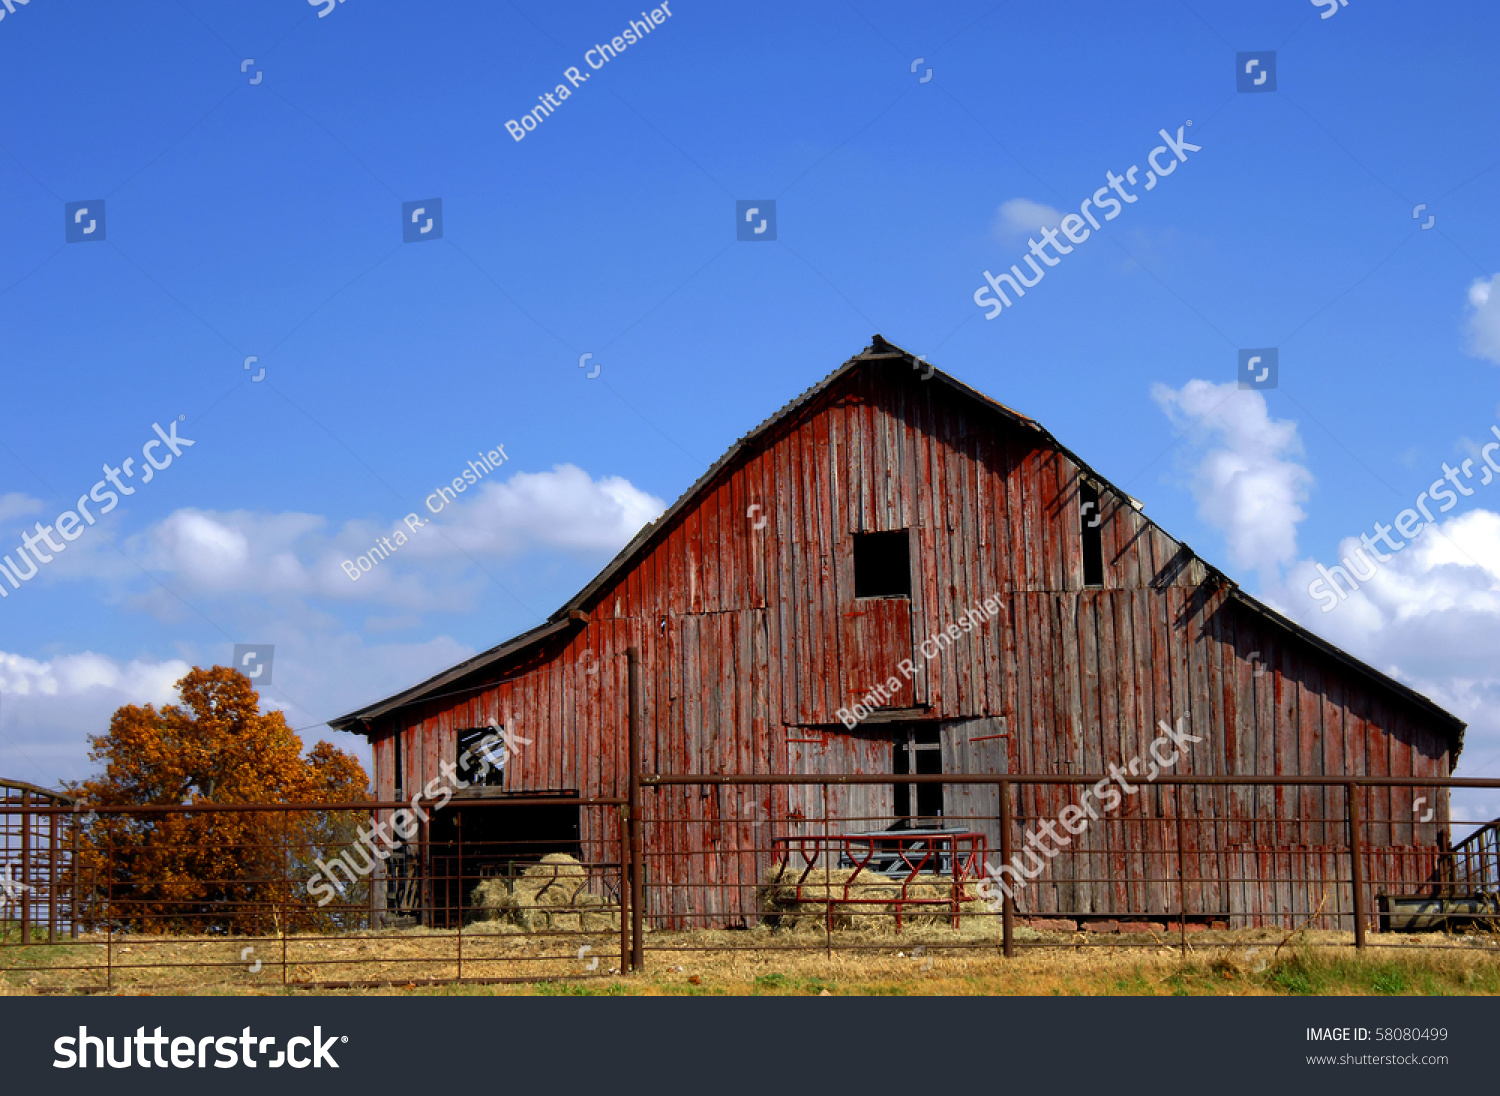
(924, 959)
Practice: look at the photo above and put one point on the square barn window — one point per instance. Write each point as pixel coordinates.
(882, 564)
(469, 739)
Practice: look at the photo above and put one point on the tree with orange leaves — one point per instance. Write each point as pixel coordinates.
(210, 870)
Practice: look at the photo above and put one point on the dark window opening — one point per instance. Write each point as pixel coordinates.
(882, 564)
(1091, 528)
(397, 763)
(482, 768)
(918, 750)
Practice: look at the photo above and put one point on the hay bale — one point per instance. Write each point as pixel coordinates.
(550, 895)
(876, 896)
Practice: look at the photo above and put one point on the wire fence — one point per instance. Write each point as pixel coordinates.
(492, 888)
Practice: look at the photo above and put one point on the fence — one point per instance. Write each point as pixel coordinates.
(361, 894)
(35, 856)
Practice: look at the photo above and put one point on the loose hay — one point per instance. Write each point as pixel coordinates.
(549, 896)
(861, 900)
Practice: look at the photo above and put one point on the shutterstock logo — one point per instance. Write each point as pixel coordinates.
(422, 220)
(755, 220)
(84, 222)
(146, 1051)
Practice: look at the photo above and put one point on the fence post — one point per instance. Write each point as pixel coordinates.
(622, 816)
(73, 875)
(25, 902)
(377, 873)
(1181, 872)
(109, 912)
(637, 864)
(279, 908)
(1008, 907)
(458, 824)
(52, 854)
(1357, 869)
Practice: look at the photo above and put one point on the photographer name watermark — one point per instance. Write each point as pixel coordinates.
(596, 58)
(882, 694)
(386, 546)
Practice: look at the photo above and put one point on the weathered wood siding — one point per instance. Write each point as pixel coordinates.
(751, 641)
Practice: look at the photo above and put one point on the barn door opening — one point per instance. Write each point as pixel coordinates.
(471, 843)
(918, 749)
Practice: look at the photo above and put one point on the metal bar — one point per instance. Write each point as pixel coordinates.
(637, 865)
(672, 779)
(1181, 876)
(73, 881)
(458, 824)
(622, 817)
(25, 868)
(828, 885)
(377, 876)
(109, 912)
(667, 779)
(353, 805)
(1008, 908)
(280, 907)
(52, 879)
(1357, 869)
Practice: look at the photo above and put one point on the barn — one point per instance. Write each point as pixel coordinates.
(797, 611)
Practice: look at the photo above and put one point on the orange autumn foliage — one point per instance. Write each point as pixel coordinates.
(210, 871)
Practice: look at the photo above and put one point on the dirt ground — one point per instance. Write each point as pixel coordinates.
(922, 960)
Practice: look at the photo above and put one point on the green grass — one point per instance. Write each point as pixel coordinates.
(784, 985)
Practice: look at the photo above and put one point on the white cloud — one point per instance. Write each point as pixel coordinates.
(1246, 485)
(16, 505)
(1484, 320)
(1019, 218)
(48, 709)
(562, 508)
(1429, 617)
(205, 552)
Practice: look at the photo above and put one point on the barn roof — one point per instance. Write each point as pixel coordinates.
(878, 350)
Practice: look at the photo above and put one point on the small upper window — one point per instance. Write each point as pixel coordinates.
(485, 765)
(882, 564)
(1091, 529)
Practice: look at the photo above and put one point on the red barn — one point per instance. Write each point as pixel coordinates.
(812, 563)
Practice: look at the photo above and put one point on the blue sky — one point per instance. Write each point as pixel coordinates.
(264, 219)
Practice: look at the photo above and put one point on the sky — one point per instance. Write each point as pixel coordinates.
(582, 307)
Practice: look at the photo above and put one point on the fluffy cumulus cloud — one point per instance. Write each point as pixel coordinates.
(562, 509)
(228, 553)
(1019, 218)
(48, 709)
(1430, 617)
(1484, 318)
(1246, 481)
